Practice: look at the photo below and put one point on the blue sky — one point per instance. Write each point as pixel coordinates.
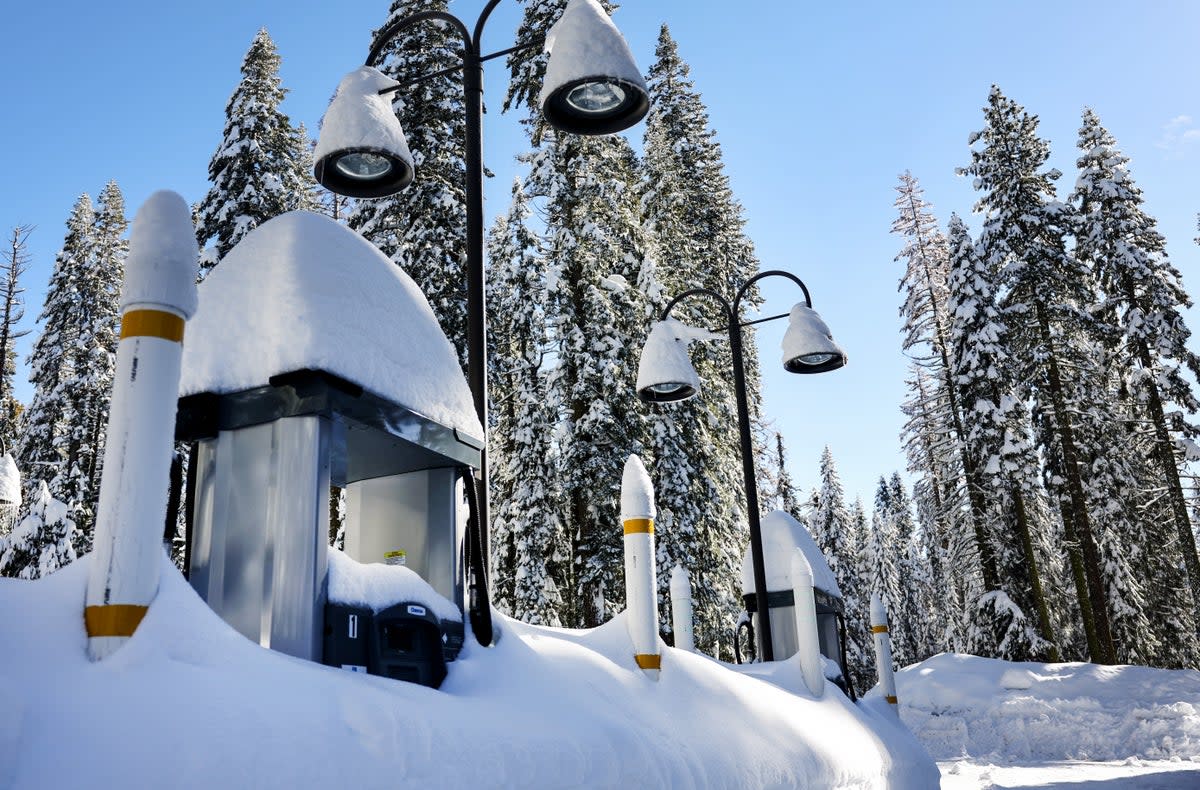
(818, 111)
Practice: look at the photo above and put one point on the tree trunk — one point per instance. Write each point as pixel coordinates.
(1103, 651)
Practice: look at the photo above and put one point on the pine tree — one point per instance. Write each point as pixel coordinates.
(51, 362)
(1143, 298)
(696, 227)
(262, 168)
(883, 554)
(91, 358)
(997, 439)
(929, 446)
(42, 543)
(527, 546)
(423, 228)
(13, 265)
(595, 247)
(855, 584)
(1024, 236)
(927, 336)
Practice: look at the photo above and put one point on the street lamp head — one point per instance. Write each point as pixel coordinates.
(592, 84)
(362, 152)
(665, 372)
(808, 345)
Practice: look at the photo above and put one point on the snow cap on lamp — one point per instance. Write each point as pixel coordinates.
(360, 121)
(808, 345)
(665, 372)
(592, 83)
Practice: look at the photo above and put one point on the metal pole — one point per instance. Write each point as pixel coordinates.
(476, 304)
(756, 547)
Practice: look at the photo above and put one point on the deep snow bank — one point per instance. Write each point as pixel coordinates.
(190, 703)
(982, 708)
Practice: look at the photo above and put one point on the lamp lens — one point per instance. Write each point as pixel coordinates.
(666, 388)
(594, 98)
(815, 359)
(363, 165)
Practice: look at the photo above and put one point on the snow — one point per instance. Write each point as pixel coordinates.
(807, 333)
(781, 535)
(188, 702)
(597, 47)
(10, 482)
(360, 118)
(376, 586)
(993, 723)
(665, 358)
(301, 291)
(637, 491)
(163, 256)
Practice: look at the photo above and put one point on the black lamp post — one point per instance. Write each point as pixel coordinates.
(808, 348)
(362, 152)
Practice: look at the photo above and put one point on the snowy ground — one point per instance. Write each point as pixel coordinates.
(992, 724)
(188, 702)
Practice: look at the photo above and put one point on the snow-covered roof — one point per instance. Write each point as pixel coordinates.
(781, 536)
(303, 292)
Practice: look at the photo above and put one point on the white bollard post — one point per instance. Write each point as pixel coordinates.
(883, 652)
(158, 296)
(681, 610)
(641, 604)
(805, 607)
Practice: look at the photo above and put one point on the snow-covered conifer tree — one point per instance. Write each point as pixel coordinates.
(854, 580)
(595, 249)
(926, 338)
(423, 227)
(91, 359)
(882, 553)
(1143, 299)
(528, 543)
(996, 438)
(13, 265)
(47, 420)
(42, 543)
(696, 230)
(1047, 289)
(262, 168)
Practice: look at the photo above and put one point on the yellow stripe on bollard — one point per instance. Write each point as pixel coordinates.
(879, 629)
(152, 323)
(635, 526)
(648, 660)
(117, 619)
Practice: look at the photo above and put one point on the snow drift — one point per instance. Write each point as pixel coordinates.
(188, 702)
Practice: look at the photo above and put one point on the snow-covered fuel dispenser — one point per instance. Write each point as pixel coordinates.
(781, 536)
(315, 364)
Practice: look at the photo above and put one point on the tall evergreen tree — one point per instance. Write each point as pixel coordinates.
(13, 265)
(1024, 235)
(696, 229)
(527, 550)
(1143, 298)
(91, 358)
(262, 168)
(595, 244)
(996, 438)
(51, 362)
(423, 228)
(927, 338)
